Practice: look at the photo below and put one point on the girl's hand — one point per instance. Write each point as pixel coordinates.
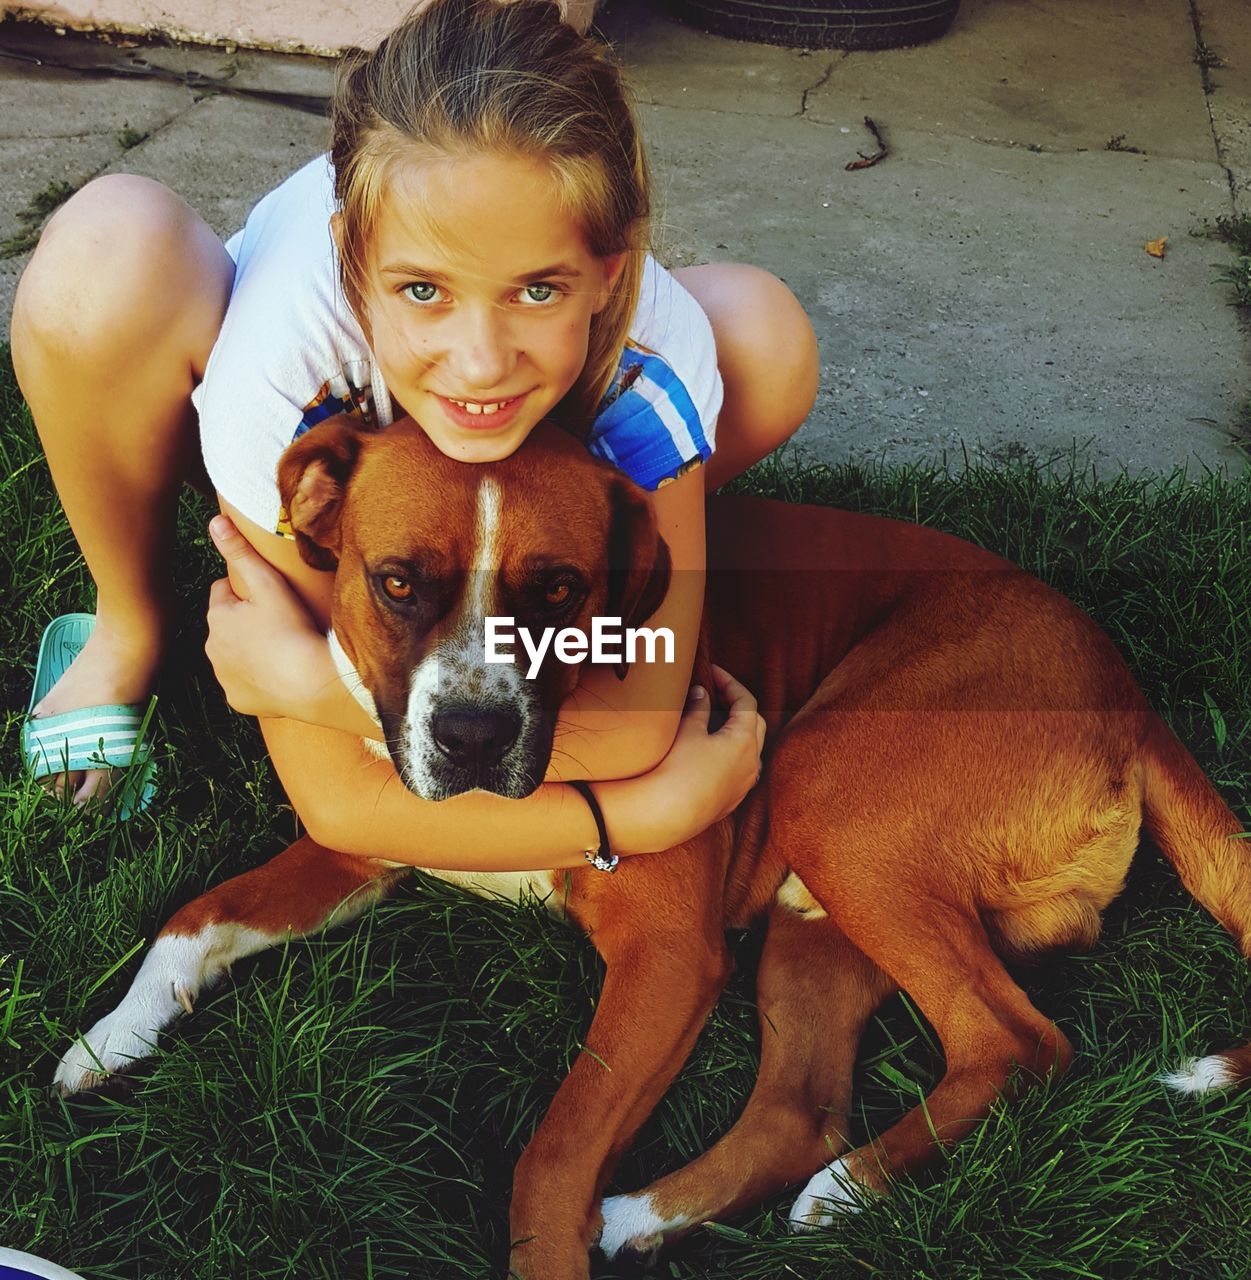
(705, 775)
(267, 652)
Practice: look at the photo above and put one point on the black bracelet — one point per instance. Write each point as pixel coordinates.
(603, 858)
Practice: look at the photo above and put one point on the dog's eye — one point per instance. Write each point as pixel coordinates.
(554, 591)
(559, 591)
(397, 588)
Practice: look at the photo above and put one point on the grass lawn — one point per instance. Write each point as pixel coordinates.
(352, 1106)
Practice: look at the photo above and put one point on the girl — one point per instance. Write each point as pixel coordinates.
(473, 255)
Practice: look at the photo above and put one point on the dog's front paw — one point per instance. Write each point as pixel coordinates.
(170, 978)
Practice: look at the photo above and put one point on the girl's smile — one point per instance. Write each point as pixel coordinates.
(480, 316)
(472, 415)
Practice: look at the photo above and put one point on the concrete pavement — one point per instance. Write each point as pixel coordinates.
(982, 291)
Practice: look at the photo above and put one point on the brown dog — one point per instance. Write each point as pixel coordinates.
(958, 768)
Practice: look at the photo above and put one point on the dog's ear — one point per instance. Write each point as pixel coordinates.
(313, 475)
(639, 567)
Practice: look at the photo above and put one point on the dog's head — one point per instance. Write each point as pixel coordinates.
(427, 549)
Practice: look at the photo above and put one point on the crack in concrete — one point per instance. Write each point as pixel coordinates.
(55, 137)
(1007, 144)
(1035, 148)
(151, 134)
(1196, 22)
(812, 88)
(101, 169)
(134, 67)
(722, 111)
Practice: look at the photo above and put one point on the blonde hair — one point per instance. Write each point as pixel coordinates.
(475, 76)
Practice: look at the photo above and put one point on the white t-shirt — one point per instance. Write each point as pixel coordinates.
(290, 354)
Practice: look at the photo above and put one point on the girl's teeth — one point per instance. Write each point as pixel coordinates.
(480, 408)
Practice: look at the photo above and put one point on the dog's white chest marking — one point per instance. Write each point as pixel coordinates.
(512, 886)
(356, 687)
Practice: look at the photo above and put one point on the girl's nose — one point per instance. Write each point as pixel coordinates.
(482, 353)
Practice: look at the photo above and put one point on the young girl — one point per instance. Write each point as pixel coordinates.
(472, 254)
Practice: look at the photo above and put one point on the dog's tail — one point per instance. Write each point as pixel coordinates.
(1199, 834)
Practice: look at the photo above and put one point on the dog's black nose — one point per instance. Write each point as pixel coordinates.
(476, 737)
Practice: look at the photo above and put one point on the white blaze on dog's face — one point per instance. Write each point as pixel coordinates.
(428, 549)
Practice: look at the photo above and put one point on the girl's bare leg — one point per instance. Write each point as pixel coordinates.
(113, 323)
(768, 357)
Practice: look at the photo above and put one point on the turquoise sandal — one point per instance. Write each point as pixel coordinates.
(105, 737)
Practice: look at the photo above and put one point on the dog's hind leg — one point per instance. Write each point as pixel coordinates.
(300, 891)
(815, 993)
(941, 956)
(659, 932)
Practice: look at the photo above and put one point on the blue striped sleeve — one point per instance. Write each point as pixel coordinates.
(648, 425)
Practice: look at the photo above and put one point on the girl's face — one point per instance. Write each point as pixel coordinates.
(480, 325)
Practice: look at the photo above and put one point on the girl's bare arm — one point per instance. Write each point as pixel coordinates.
(354, 802)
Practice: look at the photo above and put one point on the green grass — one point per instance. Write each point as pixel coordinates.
(353, 1106)
(1235, 231)
(128, 138)
(42, 203)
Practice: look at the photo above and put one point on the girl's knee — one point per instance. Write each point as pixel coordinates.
(780, 339)
(766, 347)
(124, 259)
(744, 302)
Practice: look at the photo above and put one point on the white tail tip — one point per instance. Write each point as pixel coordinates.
(1200, 1075)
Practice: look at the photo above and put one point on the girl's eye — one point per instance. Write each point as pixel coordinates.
(539, 293)
(421, 291)
(397, 588)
